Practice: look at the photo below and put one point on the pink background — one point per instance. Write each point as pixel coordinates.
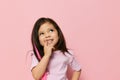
(91, 28)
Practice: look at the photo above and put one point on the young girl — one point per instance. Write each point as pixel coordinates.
(50, 57)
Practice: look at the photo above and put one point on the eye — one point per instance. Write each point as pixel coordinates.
(51, 30)
(41, 34)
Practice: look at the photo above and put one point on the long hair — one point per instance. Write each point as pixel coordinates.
(37, 47)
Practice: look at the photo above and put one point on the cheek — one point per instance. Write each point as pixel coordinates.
(41, 41)
(57, 38)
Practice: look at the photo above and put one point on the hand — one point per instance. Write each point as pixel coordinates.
(48, 47)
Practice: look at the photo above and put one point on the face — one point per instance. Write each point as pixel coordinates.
(48, 34)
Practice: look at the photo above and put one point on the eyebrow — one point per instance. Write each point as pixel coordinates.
(50, 28)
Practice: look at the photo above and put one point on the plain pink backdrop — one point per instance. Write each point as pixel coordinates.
(91, 28)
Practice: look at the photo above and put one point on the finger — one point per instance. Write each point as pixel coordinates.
(53, 48)
(46, 43)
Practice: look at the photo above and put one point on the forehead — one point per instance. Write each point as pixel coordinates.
(46, 26)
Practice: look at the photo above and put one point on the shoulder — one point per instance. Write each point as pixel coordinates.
(31, 53)
(70, 54)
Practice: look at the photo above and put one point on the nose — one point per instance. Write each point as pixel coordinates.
(47, 35)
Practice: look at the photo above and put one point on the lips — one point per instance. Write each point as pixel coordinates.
(49, 41)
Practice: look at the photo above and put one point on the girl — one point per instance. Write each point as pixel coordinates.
(50, 57)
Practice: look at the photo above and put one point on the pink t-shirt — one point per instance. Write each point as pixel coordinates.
(58, 65)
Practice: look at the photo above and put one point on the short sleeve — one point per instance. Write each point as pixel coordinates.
(34, 61)
(73, 63)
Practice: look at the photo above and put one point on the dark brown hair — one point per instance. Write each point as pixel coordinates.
(61, 45)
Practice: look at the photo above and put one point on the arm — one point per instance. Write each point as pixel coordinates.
(76, 75)
(40, 68)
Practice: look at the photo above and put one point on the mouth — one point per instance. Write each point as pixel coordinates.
(49, 41)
